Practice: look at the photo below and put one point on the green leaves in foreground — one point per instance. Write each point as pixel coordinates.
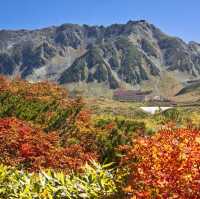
(95, 182)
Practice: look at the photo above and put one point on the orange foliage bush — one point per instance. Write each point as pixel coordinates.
(164, 166)
(43, 90)
(32, 149)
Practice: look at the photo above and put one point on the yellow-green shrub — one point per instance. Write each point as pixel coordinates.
(95, 182)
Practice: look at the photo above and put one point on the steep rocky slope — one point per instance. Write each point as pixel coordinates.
(120, 54)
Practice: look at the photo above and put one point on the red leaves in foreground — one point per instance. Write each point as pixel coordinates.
(21, 145)
(165, 166)
(26, 150)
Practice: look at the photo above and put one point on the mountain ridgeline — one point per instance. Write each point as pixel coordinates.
(118, 54)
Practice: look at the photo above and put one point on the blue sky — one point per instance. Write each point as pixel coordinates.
(175, 17)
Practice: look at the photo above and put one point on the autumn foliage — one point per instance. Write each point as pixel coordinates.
(43, 90)
(164, 166)
(41, 127)
(46, 105)
(32, 149)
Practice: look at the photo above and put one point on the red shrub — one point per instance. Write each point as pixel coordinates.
(21, 145)
(165, 166)
(26, 150)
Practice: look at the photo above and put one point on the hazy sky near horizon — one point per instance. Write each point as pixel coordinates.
(176, 17)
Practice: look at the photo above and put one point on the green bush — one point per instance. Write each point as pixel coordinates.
(22, 108)
(115, 132)
(49, 115)
(171, 115)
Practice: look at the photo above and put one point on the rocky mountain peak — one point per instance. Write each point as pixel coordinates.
(130, 54)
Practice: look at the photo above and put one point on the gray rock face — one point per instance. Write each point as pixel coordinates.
(121, 53)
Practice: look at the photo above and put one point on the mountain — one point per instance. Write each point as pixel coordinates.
(192, 87)
(117, 55)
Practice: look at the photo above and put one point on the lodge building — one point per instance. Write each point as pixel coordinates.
(131, 95)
